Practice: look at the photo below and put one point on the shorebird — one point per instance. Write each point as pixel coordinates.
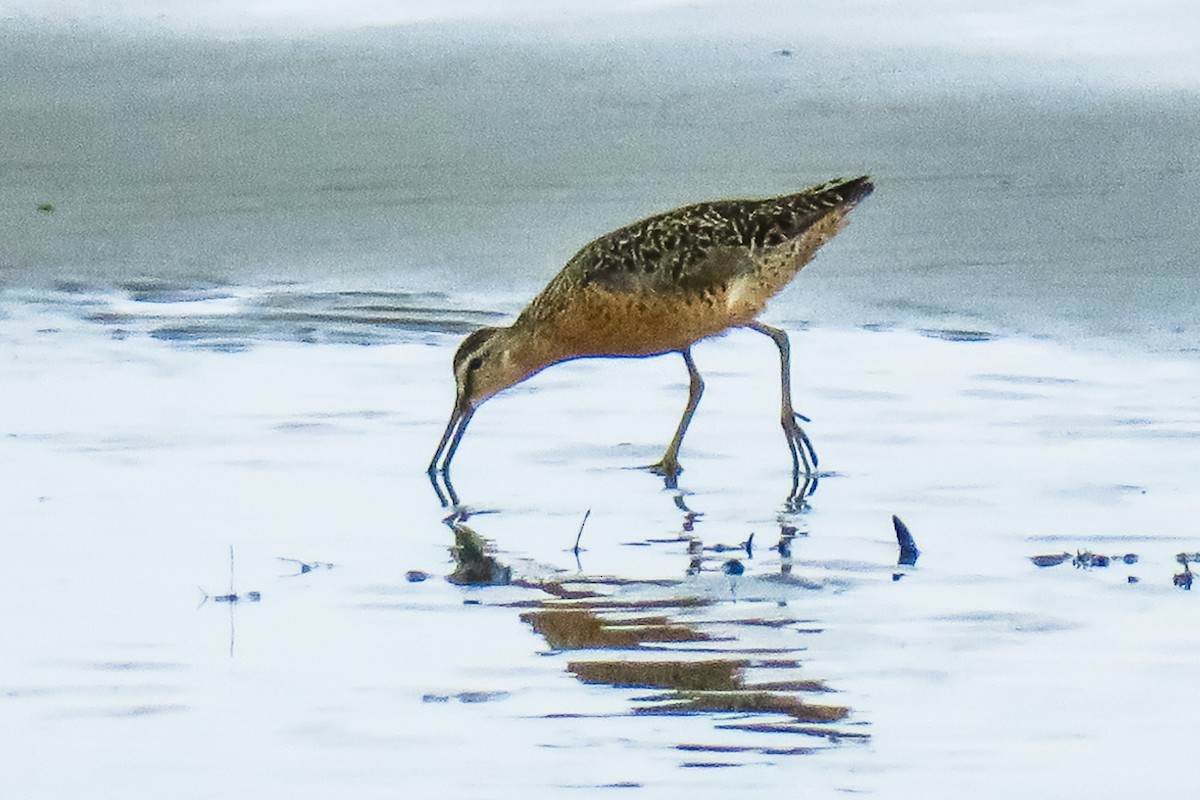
(658, 286)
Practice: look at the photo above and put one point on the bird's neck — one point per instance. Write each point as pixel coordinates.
(530, 349)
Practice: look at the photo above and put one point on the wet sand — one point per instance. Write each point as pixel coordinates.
(133, 463)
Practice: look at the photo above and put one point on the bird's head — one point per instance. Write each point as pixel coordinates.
(485, 365)
(487, 362)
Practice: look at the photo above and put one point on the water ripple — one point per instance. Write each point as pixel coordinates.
(233, 319)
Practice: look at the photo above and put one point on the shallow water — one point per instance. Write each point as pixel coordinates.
(239, 251)
(135, 461)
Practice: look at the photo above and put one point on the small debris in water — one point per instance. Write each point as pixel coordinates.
(480, 697)
(1049, 561)
(1084, 559)
(416, 576)
(747, 546)
(465, 697)
(957, 335)
(231, 596)
(908, 546)
(306, 567)
(252, 597)
(1088, 559)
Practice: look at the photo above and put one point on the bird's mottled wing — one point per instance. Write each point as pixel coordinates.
(690, 249)
(695, 249)
(702, 247)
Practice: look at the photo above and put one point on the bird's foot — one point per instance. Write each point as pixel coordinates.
(799, 442)
(803, 487)
(669, 469)
(458, 515)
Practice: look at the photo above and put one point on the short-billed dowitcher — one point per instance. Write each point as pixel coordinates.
(659, 286)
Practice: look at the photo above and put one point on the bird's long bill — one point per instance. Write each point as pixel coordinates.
(455, 429)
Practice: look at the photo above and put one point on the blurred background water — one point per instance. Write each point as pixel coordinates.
(1037, 166)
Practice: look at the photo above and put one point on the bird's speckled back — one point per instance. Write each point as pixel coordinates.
(663, 282)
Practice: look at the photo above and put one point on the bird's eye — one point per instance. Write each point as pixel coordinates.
(475, 363)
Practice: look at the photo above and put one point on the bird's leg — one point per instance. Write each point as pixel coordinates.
(797, 439)
(669, 467)
(437, 488)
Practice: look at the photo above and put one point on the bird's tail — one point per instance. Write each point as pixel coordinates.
(824, 208)
(842, 192)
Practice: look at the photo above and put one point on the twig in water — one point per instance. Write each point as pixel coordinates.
(233, 596)
(579, 535)
(304, 566)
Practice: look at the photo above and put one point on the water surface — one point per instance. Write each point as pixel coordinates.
(239, 250)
